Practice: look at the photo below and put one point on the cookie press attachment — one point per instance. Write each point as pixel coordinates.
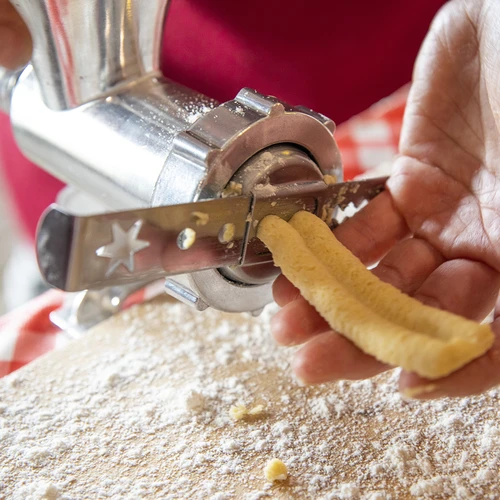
(94, 110)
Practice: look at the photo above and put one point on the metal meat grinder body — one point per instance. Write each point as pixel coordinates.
(94, 110)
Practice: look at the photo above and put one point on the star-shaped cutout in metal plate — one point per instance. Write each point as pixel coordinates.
(124, 246)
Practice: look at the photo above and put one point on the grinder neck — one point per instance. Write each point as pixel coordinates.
(85, 49)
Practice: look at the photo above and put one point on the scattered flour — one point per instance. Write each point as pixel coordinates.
(139, 409)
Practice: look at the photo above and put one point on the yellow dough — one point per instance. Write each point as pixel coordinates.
(378, 318)
(240, 411)
(275, 470)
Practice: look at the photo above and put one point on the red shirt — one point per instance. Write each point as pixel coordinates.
(337, 58)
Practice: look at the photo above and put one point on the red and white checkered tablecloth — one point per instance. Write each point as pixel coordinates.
(370, 139)
(366, 142)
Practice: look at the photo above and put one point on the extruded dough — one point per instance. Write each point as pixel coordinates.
(383, 298)
(379, 319)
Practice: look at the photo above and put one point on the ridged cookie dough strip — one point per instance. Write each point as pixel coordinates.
(386, 341)
(383, 298)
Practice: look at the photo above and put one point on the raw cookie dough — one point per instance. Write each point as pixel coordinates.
(382, 321)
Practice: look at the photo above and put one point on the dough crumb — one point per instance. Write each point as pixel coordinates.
(327, 213)
(227, 232)
(186, 238)
(275, 470)
(256, 410)
(240, 411)
(232, 189)
(330, 179)
(200, 218)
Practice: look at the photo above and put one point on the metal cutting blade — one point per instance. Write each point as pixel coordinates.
(89, 252)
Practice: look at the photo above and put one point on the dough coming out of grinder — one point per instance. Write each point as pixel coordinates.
(377, 317)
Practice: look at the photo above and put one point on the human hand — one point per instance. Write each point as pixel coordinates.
(15, 39)
(444, 192)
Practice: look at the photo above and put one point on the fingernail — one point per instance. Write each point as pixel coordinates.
(300, 382)
(414, 392)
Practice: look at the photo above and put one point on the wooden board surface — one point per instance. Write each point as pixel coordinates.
(139, 408)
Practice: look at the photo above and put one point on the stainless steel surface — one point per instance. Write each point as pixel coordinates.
(95, 113)
(114, 148)
(274, 168)
(211, 152)
(78, 253)
(315, 197)
(82, 310)
(86, 49)
(8, 80)
(206, 156)
(158, 143)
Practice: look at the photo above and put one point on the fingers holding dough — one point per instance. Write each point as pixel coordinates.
(463, 287)
(361, 233)
(408, 264)
(284, 292)
(330, 356)
(382, 298)
(296, 323)
(406, 267)
(376, 317)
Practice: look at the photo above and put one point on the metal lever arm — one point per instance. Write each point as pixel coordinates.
(77, 253)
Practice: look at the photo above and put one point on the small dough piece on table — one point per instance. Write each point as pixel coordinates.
(275, 470)
(256, 410)
(240, 411)
(375, 316)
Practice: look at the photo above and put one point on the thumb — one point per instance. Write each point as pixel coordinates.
(15, 39)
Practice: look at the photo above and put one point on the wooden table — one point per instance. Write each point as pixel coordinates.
(139, 408)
